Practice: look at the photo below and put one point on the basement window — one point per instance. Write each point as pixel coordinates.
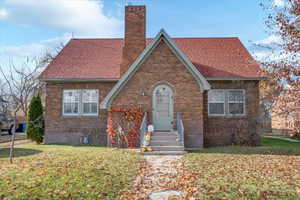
(80, 102)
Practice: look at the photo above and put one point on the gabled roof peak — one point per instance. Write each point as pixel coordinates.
(162, 35)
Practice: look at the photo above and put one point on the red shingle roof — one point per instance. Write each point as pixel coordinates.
(101, 58)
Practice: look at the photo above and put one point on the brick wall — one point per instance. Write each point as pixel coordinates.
(60, 129)
(135, 35)
(219, 130)
(162, 66)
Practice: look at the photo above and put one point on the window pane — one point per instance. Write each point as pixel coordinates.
(236, 96)
(71, 108)
(236, 108)
(216, 108)
(94, 108)
(75, 107)
(90, 108)
(86, 108)
(67, 108)
(214, 96)
(71, 96)
(89, 96)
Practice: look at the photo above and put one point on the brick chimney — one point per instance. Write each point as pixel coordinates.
(135, 35)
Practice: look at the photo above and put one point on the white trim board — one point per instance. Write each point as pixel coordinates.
(161, 36)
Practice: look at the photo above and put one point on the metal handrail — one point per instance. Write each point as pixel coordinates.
(143, 129)
(180, 128)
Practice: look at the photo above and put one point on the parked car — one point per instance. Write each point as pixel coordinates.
(6, 124)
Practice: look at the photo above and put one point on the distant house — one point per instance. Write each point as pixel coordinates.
(212, 82)
(284, 123)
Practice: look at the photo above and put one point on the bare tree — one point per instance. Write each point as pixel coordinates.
(3, 101)
(48, 56)
(21, 83)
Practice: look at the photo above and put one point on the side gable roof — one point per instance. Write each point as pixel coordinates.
(100, 59)
(161, 36)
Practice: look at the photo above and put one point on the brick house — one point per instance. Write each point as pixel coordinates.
(283, 122)
(212, 82)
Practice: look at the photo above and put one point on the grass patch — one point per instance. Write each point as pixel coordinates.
(67, 172)
(269, 146)
(271, 171)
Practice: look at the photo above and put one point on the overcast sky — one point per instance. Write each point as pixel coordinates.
(29, 28)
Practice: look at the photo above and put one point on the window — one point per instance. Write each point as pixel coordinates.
(80, 102)
(236, 102)
(90, 101)
(216, 99)
(71, 102)
(226, 102)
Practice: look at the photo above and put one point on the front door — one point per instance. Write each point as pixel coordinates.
(162, 108)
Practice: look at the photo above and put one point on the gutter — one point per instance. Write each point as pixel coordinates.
(236, 79)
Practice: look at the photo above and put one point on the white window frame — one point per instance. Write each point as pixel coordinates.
(80, 106)
(63, 103)
(81, 103)
(224, 102)
(244, 102)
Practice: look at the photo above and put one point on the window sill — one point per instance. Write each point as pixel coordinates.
(80, 116)
(227, 116)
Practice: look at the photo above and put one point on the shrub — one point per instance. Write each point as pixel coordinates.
(35, 120)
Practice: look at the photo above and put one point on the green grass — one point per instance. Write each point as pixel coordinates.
(271, 171)
(67, 172)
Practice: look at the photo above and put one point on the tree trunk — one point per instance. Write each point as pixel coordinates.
(11, 153)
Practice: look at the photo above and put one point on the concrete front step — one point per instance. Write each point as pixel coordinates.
(164, 153)
(163, 138)
(164, 143)
(168, 148)
(165, 132)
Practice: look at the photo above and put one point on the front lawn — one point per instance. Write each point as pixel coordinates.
(271, 171)
(67, 172)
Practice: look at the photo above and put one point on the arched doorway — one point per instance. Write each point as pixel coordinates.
(162, 107)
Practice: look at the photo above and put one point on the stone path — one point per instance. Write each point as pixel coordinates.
(159, 179)
(163, 171)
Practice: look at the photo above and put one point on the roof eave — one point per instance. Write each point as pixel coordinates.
(79, 79)
(236, 78)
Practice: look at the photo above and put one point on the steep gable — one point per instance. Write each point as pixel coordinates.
(161, 36)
